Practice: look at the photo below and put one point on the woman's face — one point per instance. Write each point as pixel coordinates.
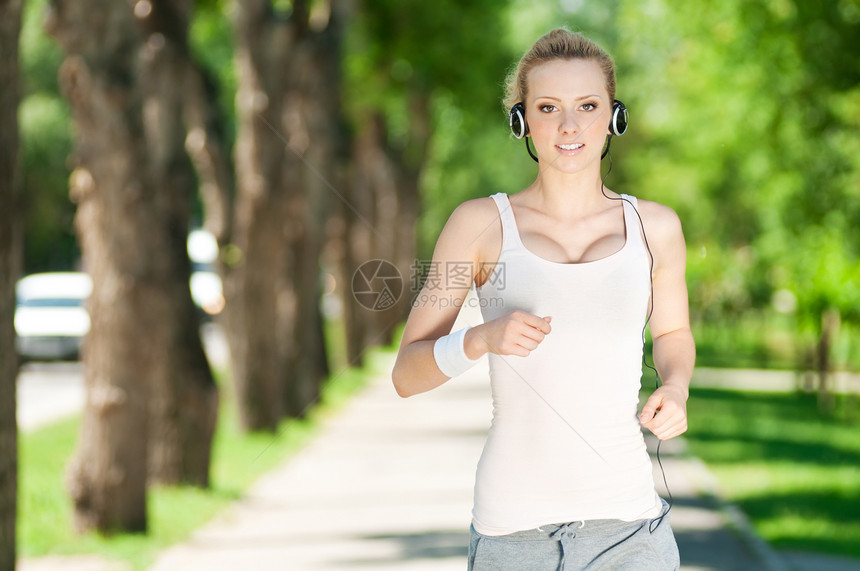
(568, 113)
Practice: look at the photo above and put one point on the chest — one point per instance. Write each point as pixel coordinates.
(572, 241)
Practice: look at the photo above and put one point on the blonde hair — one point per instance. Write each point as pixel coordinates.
(557, 44)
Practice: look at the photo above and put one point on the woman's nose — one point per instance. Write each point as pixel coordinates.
(569, 124)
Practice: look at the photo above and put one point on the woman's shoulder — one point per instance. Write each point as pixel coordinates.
(483, 206)
(660, 221)
(656, 213)
(472, 224)
(475, 213)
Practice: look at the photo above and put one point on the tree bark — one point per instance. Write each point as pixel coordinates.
(284, 157)
(320, 143)
(381, 225)
(365, 231)
(121, 232)
(184, 400)
(10, 264)
(409, 164)
(257, 254)
(830, 323)
(107, 476)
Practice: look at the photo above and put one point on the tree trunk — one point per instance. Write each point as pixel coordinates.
(117, 223)
(381, 224)
(208, 150)
(359, 235)
(830, 322)
(409, 164)
(320, 144)
(10, 264)
(386, 194)
(401, 190)
(283, 159)
(257, 253)
(184, 401)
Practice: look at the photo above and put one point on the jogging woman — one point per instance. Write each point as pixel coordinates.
(576, 271)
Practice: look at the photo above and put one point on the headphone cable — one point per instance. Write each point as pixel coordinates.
(657, 381)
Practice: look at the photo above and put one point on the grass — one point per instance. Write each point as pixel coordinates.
(45, 512)
(793, 470)
(763, 340)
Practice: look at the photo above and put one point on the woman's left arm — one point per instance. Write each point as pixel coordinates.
(665, 412)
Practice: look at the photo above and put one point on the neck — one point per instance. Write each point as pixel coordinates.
(568, 193)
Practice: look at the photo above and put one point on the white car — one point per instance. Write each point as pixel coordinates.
(51, 319)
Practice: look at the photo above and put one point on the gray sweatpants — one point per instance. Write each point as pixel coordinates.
(605, 544)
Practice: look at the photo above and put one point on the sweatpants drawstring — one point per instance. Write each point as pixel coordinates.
(564, 535)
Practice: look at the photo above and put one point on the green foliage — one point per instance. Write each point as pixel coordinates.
(40, 56)
(46, 143)
(45, 146)
(747, 125)
(468, 163)
(793, 471)
(453, 54)
(211, 39)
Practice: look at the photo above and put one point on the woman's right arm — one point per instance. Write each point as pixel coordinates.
(471, 238)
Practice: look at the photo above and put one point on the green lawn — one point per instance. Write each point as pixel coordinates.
(45, 512)
(794, 471)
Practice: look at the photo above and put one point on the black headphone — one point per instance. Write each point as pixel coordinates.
(618, 125)
(517, 120)
(519, 127)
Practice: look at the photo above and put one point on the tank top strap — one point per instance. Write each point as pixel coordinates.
(632, 223)
(509, 223)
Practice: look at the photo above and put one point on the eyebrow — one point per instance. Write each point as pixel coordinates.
(593, 95)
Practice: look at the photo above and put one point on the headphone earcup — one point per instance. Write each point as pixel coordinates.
(618, 125)
(517, 120)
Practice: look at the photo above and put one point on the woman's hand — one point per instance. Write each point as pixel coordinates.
(517, 333)
(665, 412)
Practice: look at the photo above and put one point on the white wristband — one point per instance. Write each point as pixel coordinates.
(450, 354)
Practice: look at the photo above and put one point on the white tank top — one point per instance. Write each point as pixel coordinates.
(565, 443)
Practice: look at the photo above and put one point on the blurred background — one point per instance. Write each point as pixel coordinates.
(193, 185)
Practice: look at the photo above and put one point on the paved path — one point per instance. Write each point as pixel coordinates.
(48, 392)
(388, 485)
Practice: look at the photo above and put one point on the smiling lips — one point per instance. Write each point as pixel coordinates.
(571, 146)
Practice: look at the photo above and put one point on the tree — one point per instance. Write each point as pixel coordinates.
(151, 402)
(107, 477)
(400, 81)
(10, 263)
(285, 158)
(184, 399)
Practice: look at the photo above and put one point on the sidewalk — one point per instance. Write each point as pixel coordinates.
(387, 484)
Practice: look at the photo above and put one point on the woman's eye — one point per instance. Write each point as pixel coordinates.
(589, 106)
(547, 108)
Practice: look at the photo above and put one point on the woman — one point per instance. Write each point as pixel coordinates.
(575, 271)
